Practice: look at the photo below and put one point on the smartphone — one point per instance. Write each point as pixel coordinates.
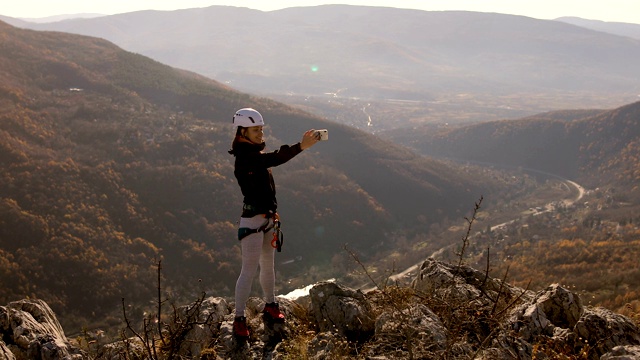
(324, 134)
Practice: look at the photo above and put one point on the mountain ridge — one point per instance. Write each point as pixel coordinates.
(593, 147)
(617, 28)
(426, 52)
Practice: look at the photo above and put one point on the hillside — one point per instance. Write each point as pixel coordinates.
(378, 53)
(111, 162)
(597, 148)
(589, 245)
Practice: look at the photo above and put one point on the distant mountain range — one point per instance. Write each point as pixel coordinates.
(56, 18)
(379, 53)
(616, 28)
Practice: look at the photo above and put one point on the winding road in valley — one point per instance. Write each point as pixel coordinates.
(407, 274)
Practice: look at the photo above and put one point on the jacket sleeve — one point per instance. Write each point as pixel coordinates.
(277, 157)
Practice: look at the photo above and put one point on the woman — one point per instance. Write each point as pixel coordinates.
(252, 170)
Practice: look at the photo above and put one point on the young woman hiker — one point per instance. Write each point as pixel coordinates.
(252, 170)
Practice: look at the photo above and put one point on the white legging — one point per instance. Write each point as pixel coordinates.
(256, 250)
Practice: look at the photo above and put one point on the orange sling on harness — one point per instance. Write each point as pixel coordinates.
(278, 237)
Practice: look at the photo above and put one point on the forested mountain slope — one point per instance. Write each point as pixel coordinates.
(111, 162)
(599, 148)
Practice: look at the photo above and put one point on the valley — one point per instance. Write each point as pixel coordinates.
(405, 277)
(548, 194)
(408, 68)
(99, 186)
(380, 116)
(582, 239)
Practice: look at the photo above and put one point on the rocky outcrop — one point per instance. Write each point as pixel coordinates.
(343, 310)
(462, 284)
(551, 322)
(449, 312)
(623, 353)
(30, 330)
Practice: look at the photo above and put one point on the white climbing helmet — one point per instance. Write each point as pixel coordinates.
(247, 117)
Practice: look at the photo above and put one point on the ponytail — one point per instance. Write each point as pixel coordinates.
(236, 140)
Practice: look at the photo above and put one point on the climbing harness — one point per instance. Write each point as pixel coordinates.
(278, 237)
(243, 232)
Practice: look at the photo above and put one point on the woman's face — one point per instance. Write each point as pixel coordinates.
(254, 134)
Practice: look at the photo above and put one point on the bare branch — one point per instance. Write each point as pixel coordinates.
(465, 238)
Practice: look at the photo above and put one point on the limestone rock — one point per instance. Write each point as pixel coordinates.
(31, 330)
(554, 307)
(562, 307)
(623, 353)
(206, 320)
(5, 353)
(557, 316)
(461, 284)
(346, 311)
(605, 330)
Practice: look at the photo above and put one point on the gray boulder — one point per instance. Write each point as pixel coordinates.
(30, 330)
(343, 310)
(605, 330)
(205, 320)
(462, 284)
(557, 316)
(554, 307)
(626, 352)
(5, 353)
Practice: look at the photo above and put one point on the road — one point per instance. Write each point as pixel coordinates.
(408, 273)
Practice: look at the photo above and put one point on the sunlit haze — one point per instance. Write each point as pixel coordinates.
(609, 10)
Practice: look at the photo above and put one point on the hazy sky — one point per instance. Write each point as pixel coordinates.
(606, 10)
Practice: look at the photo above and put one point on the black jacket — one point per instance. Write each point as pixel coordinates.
(252, 169)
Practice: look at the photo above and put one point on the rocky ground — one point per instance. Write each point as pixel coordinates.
(449, 312)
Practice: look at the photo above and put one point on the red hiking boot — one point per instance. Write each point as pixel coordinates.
(272, 311)
(240, 328)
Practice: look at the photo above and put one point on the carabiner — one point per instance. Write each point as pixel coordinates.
(278, 238)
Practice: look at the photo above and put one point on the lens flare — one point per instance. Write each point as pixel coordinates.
(314, 68)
